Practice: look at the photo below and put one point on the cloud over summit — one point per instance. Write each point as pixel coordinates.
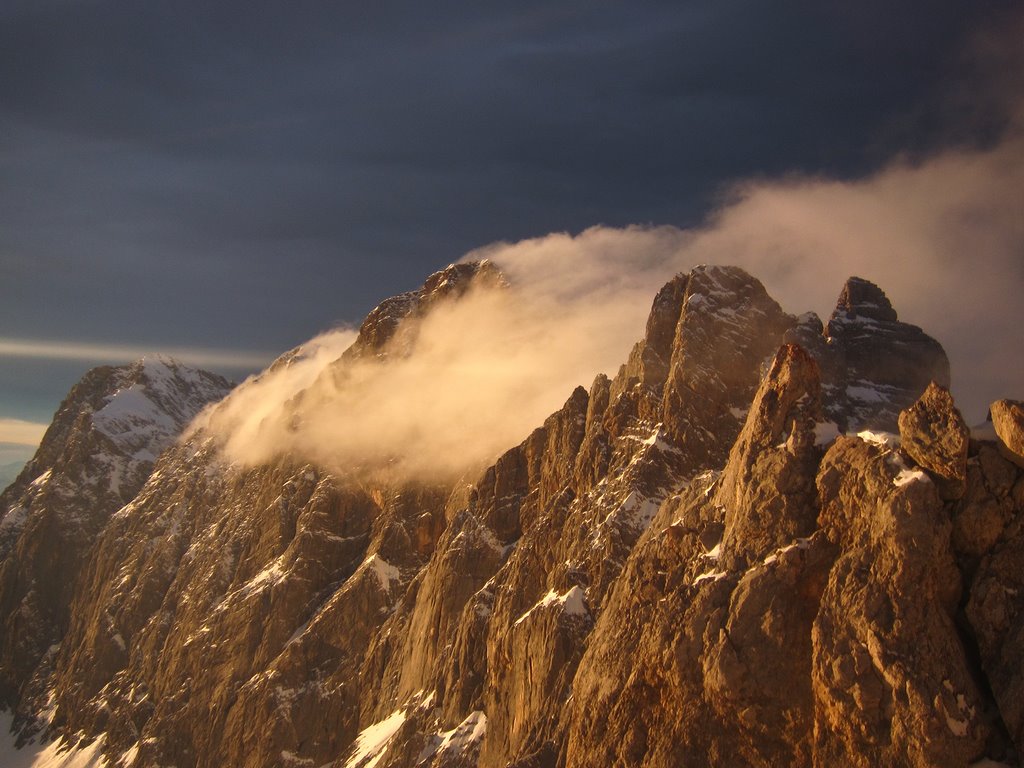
(941, 233)
(943, 238)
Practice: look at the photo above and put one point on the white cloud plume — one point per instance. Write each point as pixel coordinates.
(255, 410)
(943, 236)
(485, 370)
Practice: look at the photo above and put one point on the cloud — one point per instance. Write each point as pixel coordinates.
(942, 233)
(943, 237)
(225, 168)
(485, 370)
(255, 412)
(18, 432)
(118, 353)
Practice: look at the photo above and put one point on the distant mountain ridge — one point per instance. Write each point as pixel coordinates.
(94, 457)
(766, 540)
(10, 470)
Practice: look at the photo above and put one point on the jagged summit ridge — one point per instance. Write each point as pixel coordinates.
(116, 420)
(383, 326)
(872, 364)
(682, 565)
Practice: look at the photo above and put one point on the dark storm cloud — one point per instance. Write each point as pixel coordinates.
(245, 174)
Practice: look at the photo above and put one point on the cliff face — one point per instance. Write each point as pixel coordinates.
(766, 541)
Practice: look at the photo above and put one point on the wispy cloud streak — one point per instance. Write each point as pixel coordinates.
(51, 349)
(21, 432)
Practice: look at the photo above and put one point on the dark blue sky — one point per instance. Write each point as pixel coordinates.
(242, 175)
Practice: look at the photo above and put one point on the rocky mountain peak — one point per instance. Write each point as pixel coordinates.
(687, 564)
(156, 397)
(872, 364)
(122, 417)
(862, 298)
(95, 457)
(728, 325)
(381, 326)
(456, 279)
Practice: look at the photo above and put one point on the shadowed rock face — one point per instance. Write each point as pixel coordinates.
(873, 366)
(686, 564)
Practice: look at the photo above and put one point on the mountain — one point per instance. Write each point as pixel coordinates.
(94, 458)
(767, 540)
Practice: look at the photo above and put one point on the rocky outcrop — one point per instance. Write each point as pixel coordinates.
(936, 437)
(686, 564)
(891, 679)
(995, 612)
(93, 459)
(988, 536)
(728, 325)
(717, 629)
(1008, 421)
(391, 326)
(821, 630)
(766, 480)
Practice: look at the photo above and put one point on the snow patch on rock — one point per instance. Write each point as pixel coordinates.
(374, 739)
(883, 439)
(573, 603)
(907, 476)
(385, 572)
(459, 739)
(56, 754)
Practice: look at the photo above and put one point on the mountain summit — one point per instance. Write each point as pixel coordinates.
(766, 540)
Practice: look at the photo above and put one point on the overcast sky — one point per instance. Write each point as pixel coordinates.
(230, 178)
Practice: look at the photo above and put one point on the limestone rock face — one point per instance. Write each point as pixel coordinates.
(989, 542)
(766, 480)
(728, 325)
(687, 563)
(95, 456)
(892, 684)
(996, 614)
(230, 609)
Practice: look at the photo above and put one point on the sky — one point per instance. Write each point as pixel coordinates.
(225, 180)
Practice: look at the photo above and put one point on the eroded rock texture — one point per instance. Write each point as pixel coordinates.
(687, 564)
